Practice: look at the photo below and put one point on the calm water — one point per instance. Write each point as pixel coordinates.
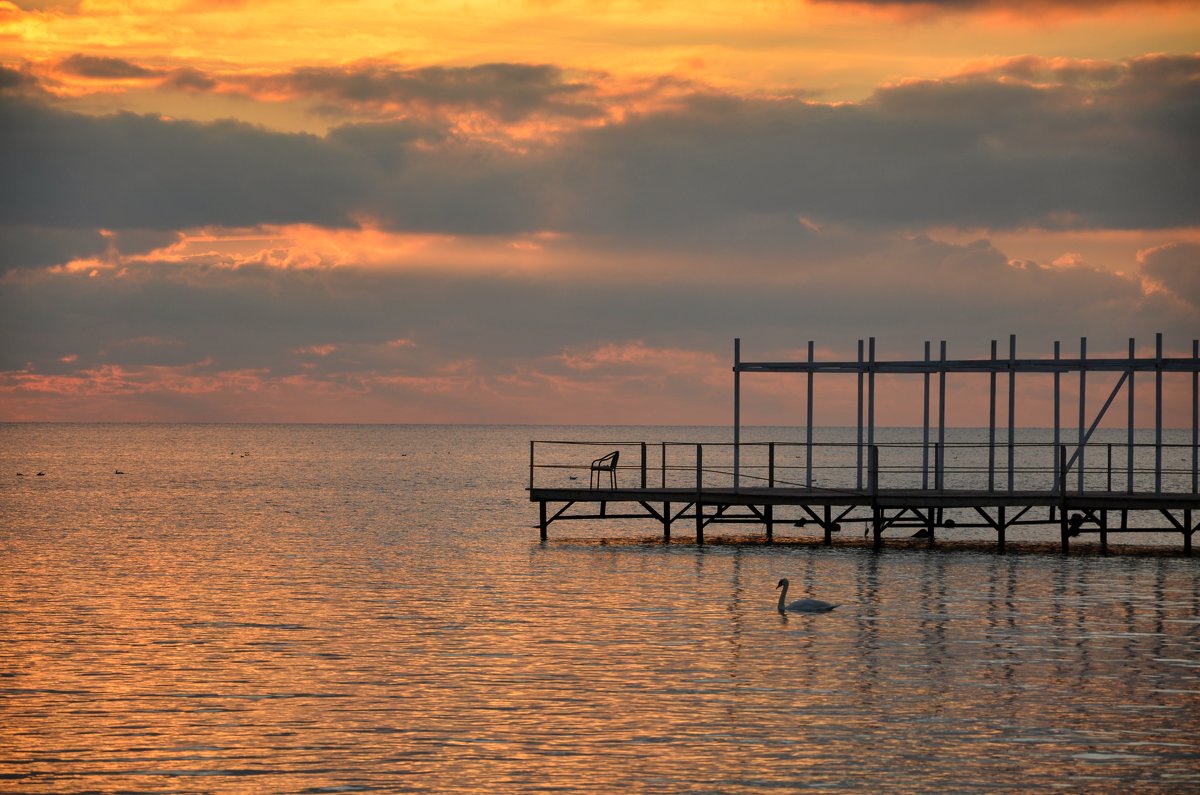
(333, 609)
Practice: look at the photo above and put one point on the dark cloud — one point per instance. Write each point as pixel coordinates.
(131, 171)
(105, 68)
(1176, 267)
(508, 91)
(971, 152)
(34, 247)
(1116, 150)
(14, 81)
(158, 313)
(188, 79)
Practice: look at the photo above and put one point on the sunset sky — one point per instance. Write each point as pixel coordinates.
(543, 211)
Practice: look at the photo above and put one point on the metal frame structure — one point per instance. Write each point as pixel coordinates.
(1073, 510)
(869, 367)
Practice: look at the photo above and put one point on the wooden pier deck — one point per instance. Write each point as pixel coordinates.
(934, 485)
(1072, 515)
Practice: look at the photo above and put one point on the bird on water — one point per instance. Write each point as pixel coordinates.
(801, 605)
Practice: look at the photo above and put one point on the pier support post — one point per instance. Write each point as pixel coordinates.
(666, 522)
(769, 515)
(542, 518)
(827, 525)
(1187, 533)
(1001, 527)
(699, 487)
(1063, 528)
(1103, 531)
(877, 514)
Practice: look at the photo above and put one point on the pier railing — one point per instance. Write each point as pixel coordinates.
(1108, 467)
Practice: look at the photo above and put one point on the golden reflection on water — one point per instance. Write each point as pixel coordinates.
(330, 615)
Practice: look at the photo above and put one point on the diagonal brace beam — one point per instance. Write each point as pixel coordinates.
(1095, 423)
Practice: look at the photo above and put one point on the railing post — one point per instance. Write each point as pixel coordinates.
(876, 513)
(663, 465)
(873, 472)
(643, 465)
(531, 443)
(1109, 488)
(771, 465)
(1062, 469)
(1063, 525)
(937, 466)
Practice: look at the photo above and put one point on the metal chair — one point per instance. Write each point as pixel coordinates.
(603, 464)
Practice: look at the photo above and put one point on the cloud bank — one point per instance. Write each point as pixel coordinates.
(440, 262)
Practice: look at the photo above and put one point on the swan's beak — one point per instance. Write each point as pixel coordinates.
(779, 585)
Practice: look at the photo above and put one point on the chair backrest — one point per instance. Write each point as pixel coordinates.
(607, 462)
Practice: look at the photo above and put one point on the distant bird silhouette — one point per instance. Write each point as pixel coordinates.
(41, 474)
(118, 472)
(801, 605)
(20, 474)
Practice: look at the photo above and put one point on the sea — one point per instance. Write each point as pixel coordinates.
(368, 608)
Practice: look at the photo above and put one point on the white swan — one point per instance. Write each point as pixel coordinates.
(801, 605)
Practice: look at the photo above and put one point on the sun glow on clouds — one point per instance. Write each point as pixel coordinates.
(564, 210)
(309, 247)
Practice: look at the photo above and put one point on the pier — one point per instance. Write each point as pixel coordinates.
(1069, 479)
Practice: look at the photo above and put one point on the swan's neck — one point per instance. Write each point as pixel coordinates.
(782, 596)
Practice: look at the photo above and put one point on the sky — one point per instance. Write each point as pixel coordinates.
(564, 211)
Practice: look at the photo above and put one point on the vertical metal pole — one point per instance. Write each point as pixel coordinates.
(1012, 407)
(992, 424)
(875, 512)
(737, 412)
(1057, 408)
(1082, 404)
(871, 393)
(925, 427)
(531, 464)
(941, 468)
(1195, 421)
(808, 424)
(542, 523)
(663, 465)
(643, 465)
(937, 466)
(771, 464)
(1129, 421)
(858, 452)
(1158, 371)
(1109, 487)
(699, 488)
(1062, 501)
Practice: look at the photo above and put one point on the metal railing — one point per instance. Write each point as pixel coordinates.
(1156, 468)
